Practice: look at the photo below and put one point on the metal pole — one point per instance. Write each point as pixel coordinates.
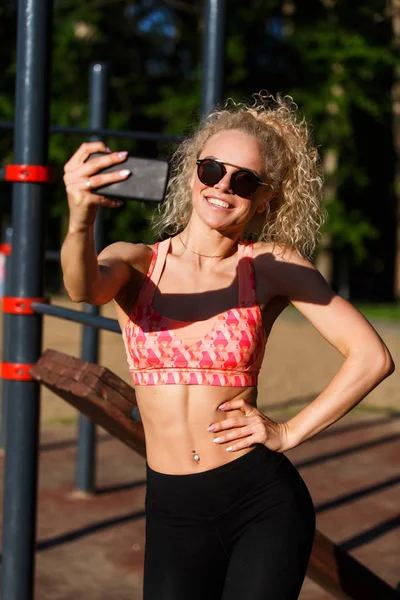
(213, 54)
(30, 147)
(6, 341)
(86, 456)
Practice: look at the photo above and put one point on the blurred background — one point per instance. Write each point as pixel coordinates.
(337, 59)
(340, 62)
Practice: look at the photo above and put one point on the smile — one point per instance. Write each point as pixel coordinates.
(217, 202)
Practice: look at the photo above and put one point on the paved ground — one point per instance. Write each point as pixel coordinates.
(92, 548)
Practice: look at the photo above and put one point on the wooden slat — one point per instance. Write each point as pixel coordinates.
(96, 392)
(108, 401)
(343, 576)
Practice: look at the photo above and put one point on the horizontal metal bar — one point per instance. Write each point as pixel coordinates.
(53, 255)
(49, 254)
(121, 133)
(77, 316)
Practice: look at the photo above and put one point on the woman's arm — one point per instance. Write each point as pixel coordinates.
(367, 359)
(92, 279)
(87, 279)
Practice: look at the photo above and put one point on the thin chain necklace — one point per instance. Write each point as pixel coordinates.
(198, 253)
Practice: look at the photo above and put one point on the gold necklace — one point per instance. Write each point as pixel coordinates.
(198, 253)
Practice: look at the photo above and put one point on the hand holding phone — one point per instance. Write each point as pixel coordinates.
(146, 183)
(81, 175)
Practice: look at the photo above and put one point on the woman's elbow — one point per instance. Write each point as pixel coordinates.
(77, 295)
(81, 298)
(384, 363)
(390, 366)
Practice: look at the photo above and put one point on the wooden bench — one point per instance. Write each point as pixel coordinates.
(96, 392)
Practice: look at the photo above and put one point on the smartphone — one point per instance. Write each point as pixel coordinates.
(146, 183)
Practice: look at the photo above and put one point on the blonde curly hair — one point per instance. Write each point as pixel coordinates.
(291, 165)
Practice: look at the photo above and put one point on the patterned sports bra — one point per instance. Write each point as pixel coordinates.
(228, 351)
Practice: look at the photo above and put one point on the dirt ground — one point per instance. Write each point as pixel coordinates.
(298, 363)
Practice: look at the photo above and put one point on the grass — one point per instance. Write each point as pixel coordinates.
(389, 312)
(385, 312)
(290, 411)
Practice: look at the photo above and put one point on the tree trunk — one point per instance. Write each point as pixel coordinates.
(394, 7)
(324, 258)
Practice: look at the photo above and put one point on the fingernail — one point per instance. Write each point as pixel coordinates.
(118, 203)
(217, 439)
(124, 172)
(122, 154)
(211, 428)
(109, 149)
(229, 449)
(222, 406)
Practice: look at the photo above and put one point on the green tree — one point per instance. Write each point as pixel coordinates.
(335, 58)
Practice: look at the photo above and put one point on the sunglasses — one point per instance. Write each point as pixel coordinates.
(244, 183)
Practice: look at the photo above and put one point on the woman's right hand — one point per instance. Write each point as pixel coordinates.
(81, 176)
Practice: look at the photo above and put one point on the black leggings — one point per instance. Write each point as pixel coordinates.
(242, 531)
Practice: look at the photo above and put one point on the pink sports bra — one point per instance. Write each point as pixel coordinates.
(230, 348)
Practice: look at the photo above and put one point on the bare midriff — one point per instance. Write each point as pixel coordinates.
(175, 420)
(176, 417)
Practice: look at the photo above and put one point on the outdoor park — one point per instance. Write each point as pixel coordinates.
(138, 75)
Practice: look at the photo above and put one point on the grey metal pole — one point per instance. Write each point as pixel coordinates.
(86, 455)
(30, 148)
(6, 341)
(213, 54)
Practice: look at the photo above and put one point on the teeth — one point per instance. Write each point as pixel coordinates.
(218, 202)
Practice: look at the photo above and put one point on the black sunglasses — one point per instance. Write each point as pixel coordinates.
(244, 183)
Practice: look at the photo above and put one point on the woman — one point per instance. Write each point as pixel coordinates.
(228, 515)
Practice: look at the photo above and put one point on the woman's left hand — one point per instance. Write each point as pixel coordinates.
(251, 428)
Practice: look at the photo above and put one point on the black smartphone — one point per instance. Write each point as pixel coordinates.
(146, 183)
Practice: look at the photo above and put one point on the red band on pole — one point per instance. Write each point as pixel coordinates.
(29, 173)
(5, 249)
(16, 372)
(21, 306)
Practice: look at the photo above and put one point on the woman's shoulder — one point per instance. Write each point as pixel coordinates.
(138, 258)
(292, 274)
(281, 264)
(278, 253)
(136, 255)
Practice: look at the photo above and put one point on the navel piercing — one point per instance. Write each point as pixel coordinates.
(196, 457)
